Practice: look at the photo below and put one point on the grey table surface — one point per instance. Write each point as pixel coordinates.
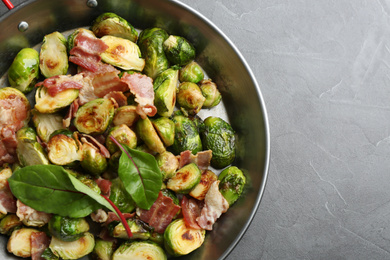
(323, 69)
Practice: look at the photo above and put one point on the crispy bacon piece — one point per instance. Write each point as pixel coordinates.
(7, 201)
(39, 242)
(84, 138)
(104, 185)
(57, 84)
(108, 82)
(71, 113)
(191, 209)
(30, 216)
(141, 86)
(119, 97)
(113, 217)
(201, 159)
(160, 214)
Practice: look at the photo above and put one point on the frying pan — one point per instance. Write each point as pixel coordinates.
(26, 24)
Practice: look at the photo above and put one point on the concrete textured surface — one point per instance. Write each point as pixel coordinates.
(323, 68)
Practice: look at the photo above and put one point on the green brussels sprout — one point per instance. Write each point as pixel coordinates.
(185, 179)
(10, 223)
(90, 182)
(95, 116)
(165, 86)
(113, 162)
(19, 243)
(92, 160)
(218, 136)
(168, 164)
(46, 124)
(24, 70)
(186, 135)
(120, 197)
(112, 24)
(48, 255)
(124, 135)
(191, 72)
(125, 115)
(151, 45)
(148, 134)
(29, 151)
(45, 103)
(189, 97)
(53, 58)
(63, 150)
(178, 50)
(157, 238)
(232, 182)
(165, 129)
(206, 179)
(75, 249)
(64, 131)
(139, 229)
(72, 36)
(122, 53)
(66, 228)
(103, 249)
(180, 240)
(13, 96)
(139, 250)
(210, 92)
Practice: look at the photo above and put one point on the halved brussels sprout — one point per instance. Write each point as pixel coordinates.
(11, 97)
(139, 250)
(139, 229)
(5, 173)
(64, 131)
(178, 50)
(165, 129)
(63, 150)
(113, 163)
(67, 229)
(191, 72)
(148, 134)
(53, 58)
(180, 240)
(165, 86)
(189, 97)
(45, 103)
(206, 179)
(150, 42)
(210, 92)
(90, 182)
(29, 151)
(92, 160)
(48, 255)
(24, 70)
(122, 53)
(95, 116)
(72, 36)
(120, 197)
(125, 115)
(19, 243)
(157, 238)
(10, 223)
(168, 164)
(124, 135)
(218, 136)
(75, 249)
(112, 24)
(232, 182)
(186, 135)
(46, 124)
(103, 249)
(185, 179)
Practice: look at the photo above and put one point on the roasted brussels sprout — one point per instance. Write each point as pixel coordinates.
(125, 115)
(45, 103)
(103, 249)
(150, 42)
(124, 135)
(29, 151)
(186, 135)
(165, 129)
(178, 50)
(67, 229)
(139, 229)
(180, 240)
(120, 197)
(112, 24)
(232, 182)
(24, 70)
(139, 250)
(64, 131)
(95, 116)
(63, 150)
(190, 97)
(113, 163)
(157, 238)
(19, 243)
(46, 124)
(48, 255)
(185, 179)
(218, 136)
(72, 36)
(10, 223)
(12, 97)
(210, 92)
(191, 72)
(88, 181)
(122, 53)
(92, 160)
(53, 58)
(165, 86)
(75, 249)
(148, 134)
(168, 164)
(206, 179)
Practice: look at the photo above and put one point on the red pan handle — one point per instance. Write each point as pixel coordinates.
(8, 4)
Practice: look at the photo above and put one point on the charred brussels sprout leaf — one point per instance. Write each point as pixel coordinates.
(218, 136)
(139, 249)
(148, 134)
(165, 86)
(103, 249)
(29, 151)
(92, 160)
(24, 70)
(122, 53)
(185, 179)
(45, 103)
(120, 197)
(190, 97)
(165, 129)
(168, 164)
(210, 92)
(112, 24)
(75, 249)
(178, 50)
(67, 229)
(124, 135)
(232, 182)
(63, 150)
(53, 58)
(186, 135)
(192, 72)
(19, 243)
(46, 124)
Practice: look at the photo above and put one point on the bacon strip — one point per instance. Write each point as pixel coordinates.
(113, 217)
(191, 209)
(160, 214)
(201, 159)
(104, 185)
(7, 201)
(39, 242)
(71, 113)
(57, 84)
(108, 82)
(84, 138)
(119, 97)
